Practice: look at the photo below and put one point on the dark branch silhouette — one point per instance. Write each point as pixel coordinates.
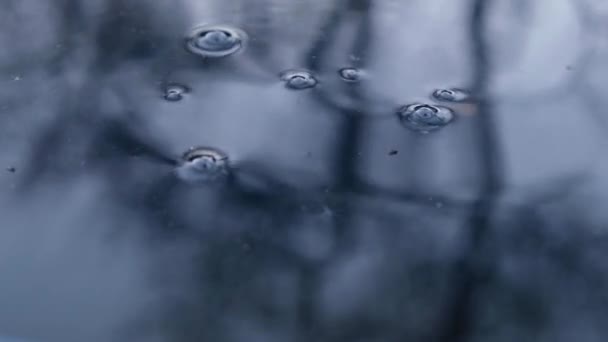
(473, 270)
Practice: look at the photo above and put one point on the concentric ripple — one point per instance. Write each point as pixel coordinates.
(425, 118)
(350, 74)
(451, 95)
(215, 40)
(203, 165)
(298, 79)
(175, 92)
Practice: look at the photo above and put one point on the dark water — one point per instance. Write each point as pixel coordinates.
(349, 170)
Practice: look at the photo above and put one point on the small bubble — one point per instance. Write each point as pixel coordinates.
(215, 40)
(451, 95)
(350, 74)
(203, 165)
(175, 92)
(298, 79)
(425, 118)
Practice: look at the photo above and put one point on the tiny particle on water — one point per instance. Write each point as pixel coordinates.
(175, 92)
(350, 74)
(424, 118)
(438, 205)
(203, 165)
(298, 79)
(215, 40)
(16, 78)
(451, 95)
(393, 152)
(11, 169)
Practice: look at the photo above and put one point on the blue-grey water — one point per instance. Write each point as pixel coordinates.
(267, 170)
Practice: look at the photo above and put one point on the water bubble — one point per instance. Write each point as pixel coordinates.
(425, 118)
(175, 92)
(203, 165)
(215, 40)
(350, 74)
(298, 79)
(451, 95)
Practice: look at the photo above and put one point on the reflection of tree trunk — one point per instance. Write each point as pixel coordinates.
(472, 270)
(348, 144)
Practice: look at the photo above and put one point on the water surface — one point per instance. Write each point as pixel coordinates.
(242, 171)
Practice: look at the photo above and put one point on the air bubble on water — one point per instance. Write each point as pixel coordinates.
(203, 165)
(298, 79)
(215, 40)
(451, 95)
(425, 118)
(175, 92)
(350, 74)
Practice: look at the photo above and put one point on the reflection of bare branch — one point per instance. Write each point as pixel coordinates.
(327, 33)
(110, 139)
(345, 152)
(343, 98)
(472, 270)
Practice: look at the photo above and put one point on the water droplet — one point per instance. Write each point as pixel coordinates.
(451, 95)
(425, 118)
(175, 92)
(203, 165)
(298, 79)
(350, 74)
(215, 40)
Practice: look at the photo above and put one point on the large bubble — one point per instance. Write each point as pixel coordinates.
(298, 79)
(425, 118)
(215, 40)
(203, 165)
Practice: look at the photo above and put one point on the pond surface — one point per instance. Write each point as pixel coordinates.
(265, 170)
